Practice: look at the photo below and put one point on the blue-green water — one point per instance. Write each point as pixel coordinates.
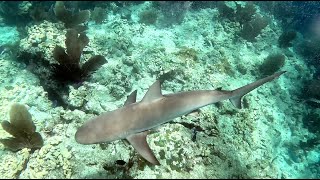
(68, 62)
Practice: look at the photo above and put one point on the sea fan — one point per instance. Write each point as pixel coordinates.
(22, 128)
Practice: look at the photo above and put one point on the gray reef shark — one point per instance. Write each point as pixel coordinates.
(134, 119)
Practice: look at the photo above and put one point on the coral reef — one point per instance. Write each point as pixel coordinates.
(53, 158)
(54, 77)
(14, 164)
(40, 42)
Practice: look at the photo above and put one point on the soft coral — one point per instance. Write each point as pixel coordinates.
(69, 68)
(22, 128)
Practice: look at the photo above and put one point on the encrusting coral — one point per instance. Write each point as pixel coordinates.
(22, 128)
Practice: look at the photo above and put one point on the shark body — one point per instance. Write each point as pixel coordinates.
(134, 119)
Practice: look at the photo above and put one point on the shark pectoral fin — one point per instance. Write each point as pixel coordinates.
(139, 142)
(154, 92)
(236, 101)
(131, 98)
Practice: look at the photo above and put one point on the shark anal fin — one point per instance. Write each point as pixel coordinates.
(139, 142)
(131, 98)
(154, 92)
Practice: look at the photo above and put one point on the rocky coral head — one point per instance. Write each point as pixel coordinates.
(22, 128)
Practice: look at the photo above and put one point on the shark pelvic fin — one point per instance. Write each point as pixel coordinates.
(154, 92)
(131, 98)
(139, 142)
(236, 101)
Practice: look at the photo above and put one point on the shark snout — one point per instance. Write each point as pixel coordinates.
(80, 137)
(83, 136)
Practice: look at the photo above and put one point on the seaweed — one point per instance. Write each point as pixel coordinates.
(22, 128)
(69, 69)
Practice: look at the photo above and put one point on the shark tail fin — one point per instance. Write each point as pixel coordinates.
(237, 94)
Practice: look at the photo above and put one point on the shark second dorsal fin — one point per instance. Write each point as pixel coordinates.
(139, 142)
(154, 92)
(131, 98)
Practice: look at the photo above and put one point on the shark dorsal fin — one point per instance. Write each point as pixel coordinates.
(154, 92)
(131, 98)
(139, 142)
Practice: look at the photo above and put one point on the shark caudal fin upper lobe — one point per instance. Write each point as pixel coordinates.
(237, 94)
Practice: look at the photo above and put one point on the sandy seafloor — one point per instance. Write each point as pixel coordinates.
(260, 141)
